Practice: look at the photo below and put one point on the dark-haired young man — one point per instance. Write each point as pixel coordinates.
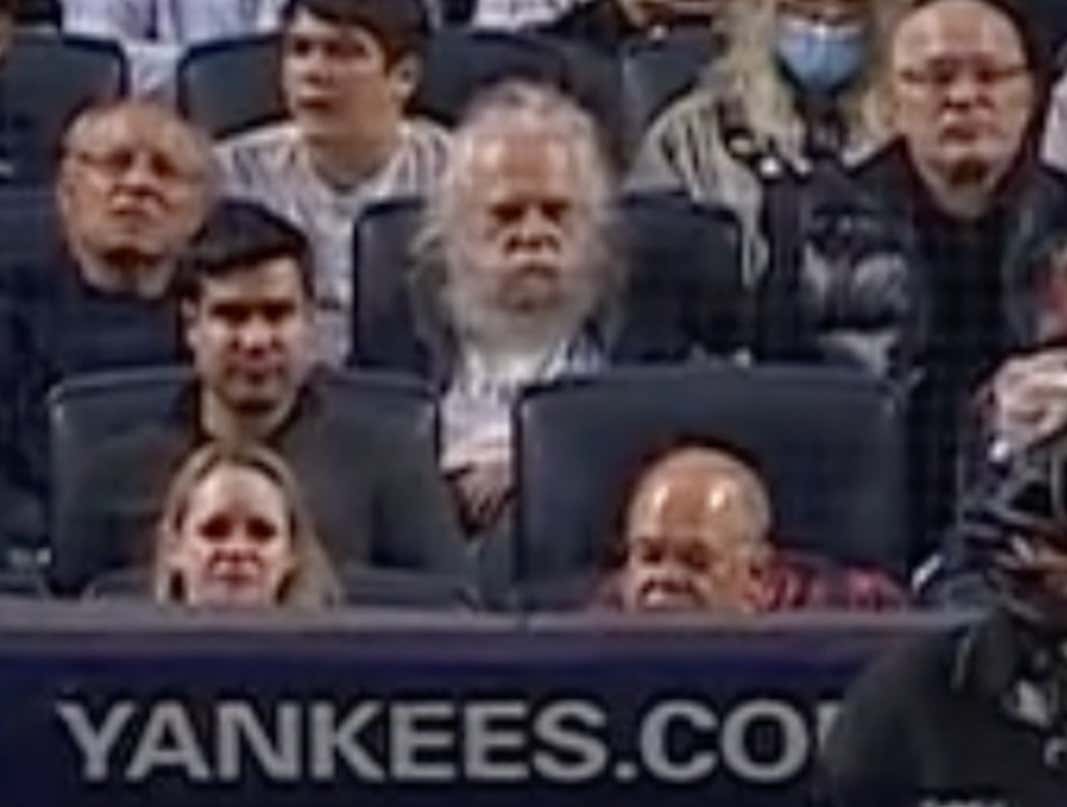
(349, 68)
(248, 319)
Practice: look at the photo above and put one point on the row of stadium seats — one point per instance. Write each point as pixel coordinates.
(230, 85)
(829, 443)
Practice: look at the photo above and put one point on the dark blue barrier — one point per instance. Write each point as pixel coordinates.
(112, 706)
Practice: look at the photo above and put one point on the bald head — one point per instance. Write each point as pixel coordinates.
(963, 93)
(696, 532)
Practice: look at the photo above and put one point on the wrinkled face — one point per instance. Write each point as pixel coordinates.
(962, 94)
(250, 334)
(133, 184)
(337, 82)
(524, 245)
(234, 545)
(693, 543)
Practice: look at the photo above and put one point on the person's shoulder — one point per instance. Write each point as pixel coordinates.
(424, 134)
(698, 108)
(262, 144)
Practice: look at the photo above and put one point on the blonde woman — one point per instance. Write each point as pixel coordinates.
(798, 76)
(236, 533)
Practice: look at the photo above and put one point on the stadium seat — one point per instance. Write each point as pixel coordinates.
(44, 81)
(231, 85)
(657, 71)
(383, 260)
(830, 445)
(85, 411)
(28, 224)
(684, 266)
(458, 62)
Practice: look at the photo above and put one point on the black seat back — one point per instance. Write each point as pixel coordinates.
(230, 85)
(45, 80)
(829, 445)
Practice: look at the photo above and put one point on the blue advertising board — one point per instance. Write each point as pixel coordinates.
(116, 705)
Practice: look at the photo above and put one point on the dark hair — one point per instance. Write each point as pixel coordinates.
(400, 26)
(236, 236)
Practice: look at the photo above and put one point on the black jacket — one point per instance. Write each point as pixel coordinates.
(953, 302)
(950, 719)
(52, 326)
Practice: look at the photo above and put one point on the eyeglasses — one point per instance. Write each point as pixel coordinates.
(114, 163)
(940, 75)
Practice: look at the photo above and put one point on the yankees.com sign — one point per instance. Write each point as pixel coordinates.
(761, 742)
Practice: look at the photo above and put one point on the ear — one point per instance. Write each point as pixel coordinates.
(404, 77)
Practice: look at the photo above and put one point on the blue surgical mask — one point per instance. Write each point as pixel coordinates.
(820, 58)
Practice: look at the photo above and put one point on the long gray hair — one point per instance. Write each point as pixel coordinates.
(529, 107)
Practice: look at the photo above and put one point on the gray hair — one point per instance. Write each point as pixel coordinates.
(525, 106)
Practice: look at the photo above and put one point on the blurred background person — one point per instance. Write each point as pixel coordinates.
(134, 184)
(349, 68)
(975, 714)
(697, 535)
(235, 532)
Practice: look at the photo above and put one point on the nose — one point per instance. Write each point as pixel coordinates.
(311, 64)
(963, 90)
(534, 231)
(139, 175)
(255, 335)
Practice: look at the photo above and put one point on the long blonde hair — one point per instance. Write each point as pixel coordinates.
(748, 78)
(313, 583)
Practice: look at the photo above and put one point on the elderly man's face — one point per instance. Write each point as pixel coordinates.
(693, 541)
(963, 96)
(134, 184)
(525, 246)
(337, 80)
(250, 335)
(234, 546)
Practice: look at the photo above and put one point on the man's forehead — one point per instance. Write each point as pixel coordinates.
(523, 153)
(140, 128)
(690, 495)
(306, 24)
(277, 279)
(956, 28)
